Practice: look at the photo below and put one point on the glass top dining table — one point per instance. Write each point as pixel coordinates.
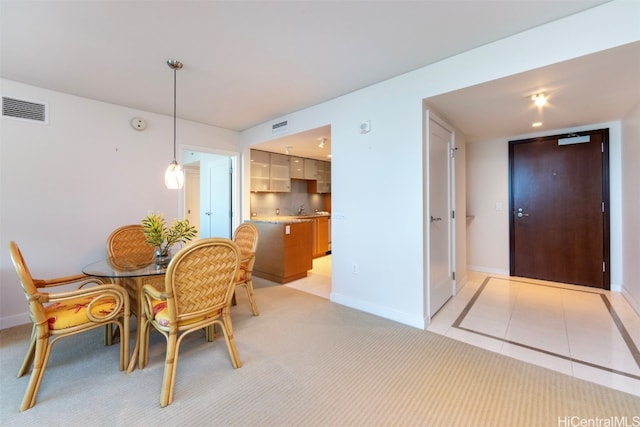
(129, 266)
(136, 268)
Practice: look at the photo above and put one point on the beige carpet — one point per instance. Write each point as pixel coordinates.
(307, 362)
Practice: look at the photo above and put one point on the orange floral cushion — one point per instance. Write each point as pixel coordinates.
(161, 315)
(71, 313)
(242, 275)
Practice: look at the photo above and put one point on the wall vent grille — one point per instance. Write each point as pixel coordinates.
(278, 128)
(14, 108)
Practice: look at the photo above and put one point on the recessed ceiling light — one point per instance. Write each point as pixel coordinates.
(539, 99)
(536, 124)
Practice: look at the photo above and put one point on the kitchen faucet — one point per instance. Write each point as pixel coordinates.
(300, 209)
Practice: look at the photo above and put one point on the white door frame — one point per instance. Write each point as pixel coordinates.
(235, 182)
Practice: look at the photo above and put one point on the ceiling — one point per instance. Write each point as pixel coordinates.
(248, 62)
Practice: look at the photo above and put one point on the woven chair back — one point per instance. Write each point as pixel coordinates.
(130, 240)
(246, 237)
(201, 276)
(28, 285)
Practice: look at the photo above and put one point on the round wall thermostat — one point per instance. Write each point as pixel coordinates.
(138, 124)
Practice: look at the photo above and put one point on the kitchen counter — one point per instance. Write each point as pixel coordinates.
(287, 219)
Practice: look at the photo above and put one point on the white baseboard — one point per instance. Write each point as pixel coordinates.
(15, 320)
(634, 303)
(488, 270)
(400, 317)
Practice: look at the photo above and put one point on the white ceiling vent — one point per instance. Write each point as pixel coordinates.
(20, 109)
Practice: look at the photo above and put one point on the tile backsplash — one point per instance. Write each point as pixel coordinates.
(265, 204)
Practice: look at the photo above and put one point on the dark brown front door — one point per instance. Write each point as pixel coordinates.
(559, 208)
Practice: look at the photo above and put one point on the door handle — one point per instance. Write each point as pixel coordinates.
(435, 219)
(208, 213)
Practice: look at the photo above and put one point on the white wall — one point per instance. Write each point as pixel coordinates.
(631, 207)
(67, 184)
(487, 227)
(382, 236)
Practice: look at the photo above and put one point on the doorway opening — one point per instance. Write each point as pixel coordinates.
(210, 199)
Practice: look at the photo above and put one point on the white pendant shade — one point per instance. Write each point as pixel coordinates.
(174, 176)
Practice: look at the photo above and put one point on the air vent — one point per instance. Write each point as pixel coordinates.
(278, 128)
(20, 109)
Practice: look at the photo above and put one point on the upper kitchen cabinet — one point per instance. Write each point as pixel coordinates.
(260, 169)
(280, 178)
(311, 169)
(297, 167)
(270, 172)
(322, 184)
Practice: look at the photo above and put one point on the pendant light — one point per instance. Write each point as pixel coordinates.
(174, 175)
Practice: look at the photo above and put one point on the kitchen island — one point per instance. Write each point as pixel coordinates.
(285, 248)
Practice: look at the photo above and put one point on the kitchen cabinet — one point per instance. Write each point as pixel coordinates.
(297, 167)
(284, 250)
(270, 172)
(260, 169)
(321, 236)
(310, 169)
(280, 176)
(322, 184)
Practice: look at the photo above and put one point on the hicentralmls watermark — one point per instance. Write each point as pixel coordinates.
(576, 421)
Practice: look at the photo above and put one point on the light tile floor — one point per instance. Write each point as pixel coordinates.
(584, 332)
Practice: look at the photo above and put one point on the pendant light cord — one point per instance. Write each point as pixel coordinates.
(174, 114)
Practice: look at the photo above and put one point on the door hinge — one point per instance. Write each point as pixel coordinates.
(602, 146)
(452, 151)
(453, 275)
(602, 207)
(453, 214)
(604, 267)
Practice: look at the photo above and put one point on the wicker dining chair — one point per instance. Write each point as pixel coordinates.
(127, 241)
(246, 237)
(59, 315)
(199, 285)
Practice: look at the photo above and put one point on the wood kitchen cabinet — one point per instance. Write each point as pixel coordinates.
(321, 236)
(284, 250)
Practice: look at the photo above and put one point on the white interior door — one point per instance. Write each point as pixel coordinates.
(440, 222)
(215, 191)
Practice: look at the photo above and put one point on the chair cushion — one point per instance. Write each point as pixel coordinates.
(242, 275)
(161, 315)
(73, 312)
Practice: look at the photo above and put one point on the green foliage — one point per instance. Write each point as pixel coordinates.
(163, 237)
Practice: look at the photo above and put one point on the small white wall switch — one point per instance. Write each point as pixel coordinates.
(287, 229)
(498, 206)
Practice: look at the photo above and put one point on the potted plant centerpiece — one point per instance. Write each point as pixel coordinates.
(162, 237)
